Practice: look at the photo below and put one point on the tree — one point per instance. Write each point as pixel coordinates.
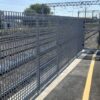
(33, 9)
(38, 8)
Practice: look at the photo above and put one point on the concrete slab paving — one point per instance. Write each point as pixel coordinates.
(72, 87)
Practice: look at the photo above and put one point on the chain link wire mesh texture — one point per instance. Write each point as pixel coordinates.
(33, 49)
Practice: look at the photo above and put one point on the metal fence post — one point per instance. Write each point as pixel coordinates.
(38, 57)
(57, 40)
(42, 10)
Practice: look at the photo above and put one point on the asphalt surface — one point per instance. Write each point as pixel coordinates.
(72, 87)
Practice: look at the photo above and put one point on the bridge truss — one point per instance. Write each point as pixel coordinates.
(78, 3)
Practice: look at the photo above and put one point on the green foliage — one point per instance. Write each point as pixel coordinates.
(38, 8)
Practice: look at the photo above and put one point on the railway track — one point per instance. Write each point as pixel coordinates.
(91, 34)
(23, 73)
(18, 58)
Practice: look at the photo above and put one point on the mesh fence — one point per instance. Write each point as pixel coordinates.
(33, 49)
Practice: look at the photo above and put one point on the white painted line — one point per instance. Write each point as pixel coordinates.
(58, 79)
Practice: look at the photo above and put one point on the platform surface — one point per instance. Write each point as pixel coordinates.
(73, 86)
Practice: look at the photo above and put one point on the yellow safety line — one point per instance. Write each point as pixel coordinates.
(89, 80)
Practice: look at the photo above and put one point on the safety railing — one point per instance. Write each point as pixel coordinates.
(33, 50)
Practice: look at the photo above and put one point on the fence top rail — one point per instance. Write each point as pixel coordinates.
(30, 14)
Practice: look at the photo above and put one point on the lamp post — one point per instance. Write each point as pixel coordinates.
(78, 13)
(93, 13)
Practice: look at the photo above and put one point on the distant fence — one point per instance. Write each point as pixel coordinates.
(33, 50)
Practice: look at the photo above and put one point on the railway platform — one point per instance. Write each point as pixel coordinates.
(79, 81)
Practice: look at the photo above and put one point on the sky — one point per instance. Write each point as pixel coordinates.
(20, 5)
